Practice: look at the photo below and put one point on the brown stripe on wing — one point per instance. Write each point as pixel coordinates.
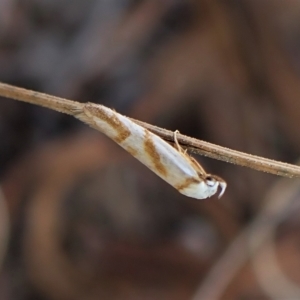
(132, 151)
(110, 119)
(150, 149)
(187, 183)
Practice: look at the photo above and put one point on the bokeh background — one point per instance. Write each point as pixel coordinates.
(82, 219)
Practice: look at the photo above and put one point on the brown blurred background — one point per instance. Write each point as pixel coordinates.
(80, 218)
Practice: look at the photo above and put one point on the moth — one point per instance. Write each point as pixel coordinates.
(171, 163)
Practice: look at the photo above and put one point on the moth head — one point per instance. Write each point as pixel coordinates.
(213, 182)
(206, 186)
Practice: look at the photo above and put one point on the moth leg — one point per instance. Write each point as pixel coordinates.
(184, 152)
(199, 167)
(178, 147)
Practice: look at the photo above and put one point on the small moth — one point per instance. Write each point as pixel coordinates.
(170, 163)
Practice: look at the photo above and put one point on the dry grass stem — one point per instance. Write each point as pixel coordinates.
(194, 145)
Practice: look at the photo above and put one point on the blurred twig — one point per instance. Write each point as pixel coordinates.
(4, 226)
(259, 235)
(194, 145)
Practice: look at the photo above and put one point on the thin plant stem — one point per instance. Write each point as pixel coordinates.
(194, 145)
